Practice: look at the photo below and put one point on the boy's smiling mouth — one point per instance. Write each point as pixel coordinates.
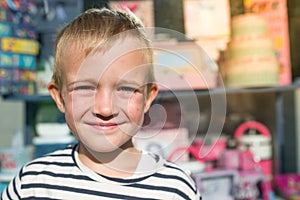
(105, 126)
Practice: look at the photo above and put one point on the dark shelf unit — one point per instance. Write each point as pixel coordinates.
(170, 94)
(282, 132)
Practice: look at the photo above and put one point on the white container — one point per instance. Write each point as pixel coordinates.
(259, 144)
(52, 129)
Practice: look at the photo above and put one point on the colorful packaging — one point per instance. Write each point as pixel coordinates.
(24, 75)
(6, 16)
(12, 159)
(23, 32)
(13, 60)
(18, 45)
(12, 30)
(230, 159)
(25, 88)
(6, 74)
(5, 29)
(210, 149)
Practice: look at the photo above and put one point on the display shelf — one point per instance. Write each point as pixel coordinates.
(27, 98)
(217, 91)
(170, 94)
(282, 88)
(279, 100)
(279, 107)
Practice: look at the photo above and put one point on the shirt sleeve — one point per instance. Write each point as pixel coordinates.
(196, 196)
(13, 190)
(192, 191)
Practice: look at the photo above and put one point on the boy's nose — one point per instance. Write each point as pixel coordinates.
(103, 104)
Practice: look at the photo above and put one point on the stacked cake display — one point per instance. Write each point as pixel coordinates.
(250, 57)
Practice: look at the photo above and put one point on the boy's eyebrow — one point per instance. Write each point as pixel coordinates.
(124, 81)
(80, 81)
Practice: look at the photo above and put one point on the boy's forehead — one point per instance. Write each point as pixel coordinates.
(118, 46)
(110, 50)
(124, 52)
(114, 62)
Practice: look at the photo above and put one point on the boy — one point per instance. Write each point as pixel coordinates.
(103, 81)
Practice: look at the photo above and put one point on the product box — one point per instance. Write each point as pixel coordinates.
(288, 185)
(18, 45)
(6, 77)
(144, 10)
(183, 63)
(13, 30)
(5, 87)
(21, 61)
(19, 87)
(276, 14)
(12, 159)
(19, 11)
(163, 142)
(252, 185)
(6, 16)
(217, 184)
(6, 74)
(24, 75)
(17, 18)
(5, 29)
(23, 32)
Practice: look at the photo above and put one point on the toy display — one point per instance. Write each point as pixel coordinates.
(18, 47)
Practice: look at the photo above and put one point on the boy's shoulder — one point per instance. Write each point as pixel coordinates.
(174, 176)
(173, 170)
(166, 169)
(62, 157)
(161, 165)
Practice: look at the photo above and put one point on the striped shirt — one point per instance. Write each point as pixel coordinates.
(61, 175)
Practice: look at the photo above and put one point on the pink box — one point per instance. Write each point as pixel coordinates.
(275, 13)
(183, 66)
(210, 150)
(230, 159)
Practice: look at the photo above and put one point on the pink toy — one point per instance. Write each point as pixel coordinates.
(259, 144)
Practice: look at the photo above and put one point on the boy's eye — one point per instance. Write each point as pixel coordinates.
(127, 89)
(83, 87)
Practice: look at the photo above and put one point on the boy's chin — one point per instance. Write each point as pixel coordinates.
(105, 148)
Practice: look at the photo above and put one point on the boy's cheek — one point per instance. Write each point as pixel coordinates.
(77, 101)
(136, 112)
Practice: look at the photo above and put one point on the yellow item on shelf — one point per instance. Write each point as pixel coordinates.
(19, 45)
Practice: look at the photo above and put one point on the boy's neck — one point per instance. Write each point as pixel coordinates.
(111, 164)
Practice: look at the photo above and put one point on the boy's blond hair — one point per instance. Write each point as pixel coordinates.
(93, 28)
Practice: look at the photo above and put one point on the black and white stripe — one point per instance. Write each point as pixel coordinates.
(58, 176)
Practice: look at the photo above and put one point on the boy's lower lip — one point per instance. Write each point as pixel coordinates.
(105, 127)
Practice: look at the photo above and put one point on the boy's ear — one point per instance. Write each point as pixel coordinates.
(153, 91)
(56, 96)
